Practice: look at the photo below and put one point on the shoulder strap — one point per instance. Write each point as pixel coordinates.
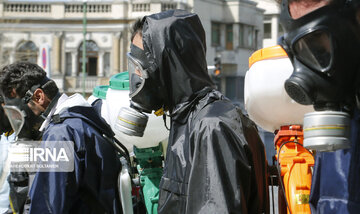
(119, 147)
(57, 119)
(259, 160)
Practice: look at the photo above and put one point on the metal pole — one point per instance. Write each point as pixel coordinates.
(84, 47)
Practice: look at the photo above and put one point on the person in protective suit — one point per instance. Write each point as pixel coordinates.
(6, 137)
(13, 185)
(323, 41)
(55, 117)
(215, 159)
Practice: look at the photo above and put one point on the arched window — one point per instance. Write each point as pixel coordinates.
(26, 51)
(91, 57)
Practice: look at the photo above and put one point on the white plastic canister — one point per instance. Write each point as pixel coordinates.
(117, 97)
(99, 92)
(266, 100)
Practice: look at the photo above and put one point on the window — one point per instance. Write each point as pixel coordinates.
(247, 36)
(26, 51)
(281, 30)
(250, 36)
(91, 57)
(215, 34)
(5, 57)
(229, 37)
(241, 36)
(68, 61)
(267, 27)
(235, 88)
(267, 30)
(256, 39)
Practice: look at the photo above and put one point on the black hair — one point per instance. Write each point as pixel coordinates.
(137, 28)
(21, 76)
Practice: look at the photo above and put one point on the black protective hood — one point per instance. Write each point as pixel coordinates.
(174, 42)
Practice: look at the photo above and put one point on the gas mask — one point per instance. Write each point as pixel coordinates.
(144, 90)
(22, 119)
(144, 94)
(323, 47)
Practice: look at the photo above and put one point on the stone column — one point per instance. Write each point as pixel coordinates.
(63, 55)
(12, 56)
(56, 53)
(1, 8)
(274, 27)
(1, 42)
(74, 63)
(116, 53)
(124, 48)
(101, 64)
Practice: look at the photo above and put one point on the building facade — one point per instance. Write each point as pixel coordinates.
(234, 30)
(34, 28)
(28, 28)
(272, 28)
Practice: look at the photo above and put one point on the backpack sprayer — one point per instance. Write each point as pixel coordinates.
(141, 149)
(269, 106)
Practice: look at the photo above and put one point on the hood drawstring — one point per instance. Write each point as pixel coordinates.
(164, 118)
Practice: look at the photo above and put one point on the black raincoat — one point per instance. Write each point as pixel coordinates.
(212, 166)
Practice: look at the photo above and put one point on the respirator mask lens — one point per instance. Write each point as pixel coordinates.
(16, 118)
(315, 50)
(137, 75)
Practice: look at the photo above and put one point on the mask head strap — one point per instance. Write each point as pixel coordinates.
(50, 106)
(30, 93)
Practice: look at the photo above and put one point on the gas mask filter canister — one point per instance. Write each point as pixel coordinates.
(326, 130)
(131, 122)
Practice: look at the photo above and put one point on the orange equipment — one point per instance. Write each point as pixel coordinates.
(296, 164)
(269, 106)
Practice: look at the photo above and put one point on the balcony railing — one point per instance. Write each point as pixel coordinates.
(76, 84)
(168, 6)
(27, 8)
(141, 7)
(91, 8)
(90, 82)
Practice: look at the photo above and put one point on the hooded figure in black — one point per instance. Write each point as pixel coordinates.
(215, 160)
